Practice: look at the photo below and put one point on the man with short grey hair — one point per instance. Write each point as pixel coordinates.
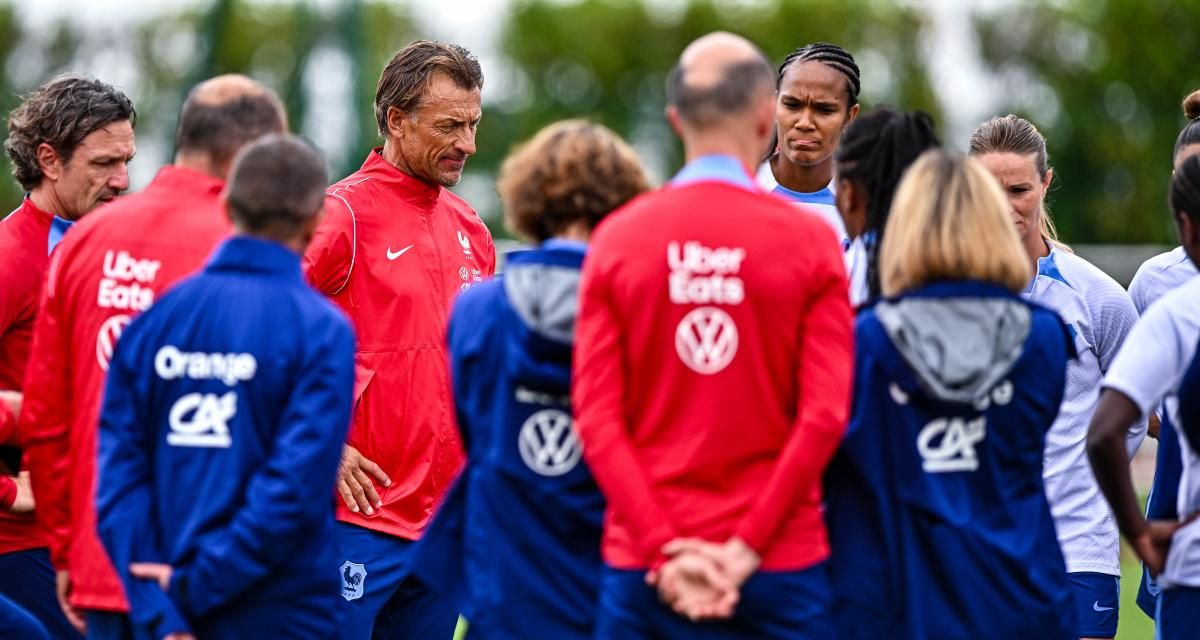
(395, 248)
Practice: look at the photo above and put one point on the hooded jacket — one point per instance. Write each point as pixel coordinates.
(938, 517)
(517, 540)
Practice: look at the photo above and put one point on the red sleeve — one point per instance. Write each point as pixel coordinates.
(599, 399)
(8, 492)
(44, 428)
(491, 255)
(824, 380)
(330, 256)
(8, 425)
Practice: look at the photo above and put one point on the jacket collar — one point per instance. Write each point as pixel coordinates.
(179, 180)
(243, 253)
(715, 168)
(418, 192)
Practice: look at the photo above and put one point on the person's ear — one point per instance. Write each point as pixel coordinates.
(395, 123)
(1047, 180)
(852, 115)
(309, 230)
(224, 200)
(49, 162)
(674, 120)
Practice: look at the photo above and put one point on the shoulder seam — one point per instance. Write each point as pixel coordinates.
(353, 232)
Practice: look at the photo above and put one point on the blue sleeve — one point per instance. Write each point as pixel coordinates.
(463, 335)
(124, 499)
(1162, 504)
(291, 491)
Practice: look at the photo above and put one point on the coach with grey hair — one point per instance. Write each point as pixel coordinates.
(395, 248)
(237, 385)
(69, 142)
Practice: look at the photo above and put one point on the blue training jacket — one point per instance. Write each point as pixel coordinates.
(938, 519)
(224, 416)
(517, 540)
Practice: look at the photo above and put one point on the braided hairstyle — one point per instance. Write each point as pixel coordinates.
(827, 54)
(830, 55)
(875, 151)
(1185, 189)
(1191, 131)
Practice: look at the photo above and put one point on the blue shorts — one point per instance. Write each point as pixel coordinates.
(380, 598)
(1097, 602)
(27, 580)
(16, 622)
(784, 605)
(1178, 615)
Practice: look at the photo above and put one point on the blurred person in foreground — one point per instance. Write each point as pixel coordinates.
(247, 404)
(712, 379)
(1153, 279)
(393, 251)
(1099, 314)
(873, 155)
(524, 488)
(937, 513)
(111, 266)
(69, 142)
(1152, 371)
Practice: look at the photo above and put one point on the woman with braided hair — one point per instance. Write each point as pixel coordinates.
(874, 154)
(816, 98)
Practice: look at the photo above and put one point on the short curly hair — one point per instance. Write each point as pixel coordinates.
(570, 171)
(61, 113)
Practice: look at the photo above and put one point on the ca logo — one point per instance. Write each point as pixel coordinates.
(706, 340)
(548, 444)
(106, 339)
(948, 444)
(202, 420)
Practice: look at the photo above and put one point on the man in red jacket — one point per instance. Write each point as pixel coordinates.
(111, 266)
(394, 249)
(712, 378)
(69, 142)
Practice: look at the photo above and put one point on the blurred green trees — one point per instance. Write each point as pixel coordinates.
(1102, 79)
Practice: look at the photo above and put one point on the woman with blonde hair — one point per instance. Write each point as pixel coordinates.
(1099, 314)
(938, 518)
(517, 541)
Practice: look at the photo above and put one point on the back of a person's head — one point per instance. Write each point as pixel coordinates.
(222, 114)
(276, 187)
(1185, 189)
(61, 113)
(875, 151)
(1190, 135)
(570, 172)
(708, 92)
(950, 221)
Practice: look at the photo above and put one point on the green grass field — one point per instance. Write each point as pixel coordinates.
(1134, 624)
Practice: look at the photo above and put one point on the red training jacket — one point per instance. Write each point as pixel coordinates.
(113, 264)
(713, 370)
(24, 248)
(392, 252)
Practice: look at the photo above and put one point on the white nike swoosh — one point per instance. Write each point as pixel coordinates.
(1096, 607)
(393, 256)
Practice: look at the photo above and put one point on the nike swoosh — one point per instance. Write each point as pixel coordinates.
(1096, 607)
(393, 256)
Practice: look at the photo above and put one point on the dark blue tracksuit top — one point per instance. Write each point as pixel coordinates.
(225, 411)
(517, 540)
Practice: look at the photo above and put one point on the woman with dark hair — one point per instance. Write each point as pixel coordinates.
(938, 520)
(874, 153)
(1158, 275)
(1099, 314)
(517, 541)
(816, 98)
(1152, 370)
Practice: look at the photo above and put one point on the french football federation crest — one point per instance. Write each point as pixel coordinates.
(354, 577)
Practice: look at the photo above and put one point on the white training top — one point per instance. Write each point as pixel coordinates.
(1148, 370)
(823, 203)
(1099, 314)
(1159, 275)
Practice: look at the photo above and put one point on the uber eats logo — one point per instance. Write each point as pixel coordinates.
(202, 419)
